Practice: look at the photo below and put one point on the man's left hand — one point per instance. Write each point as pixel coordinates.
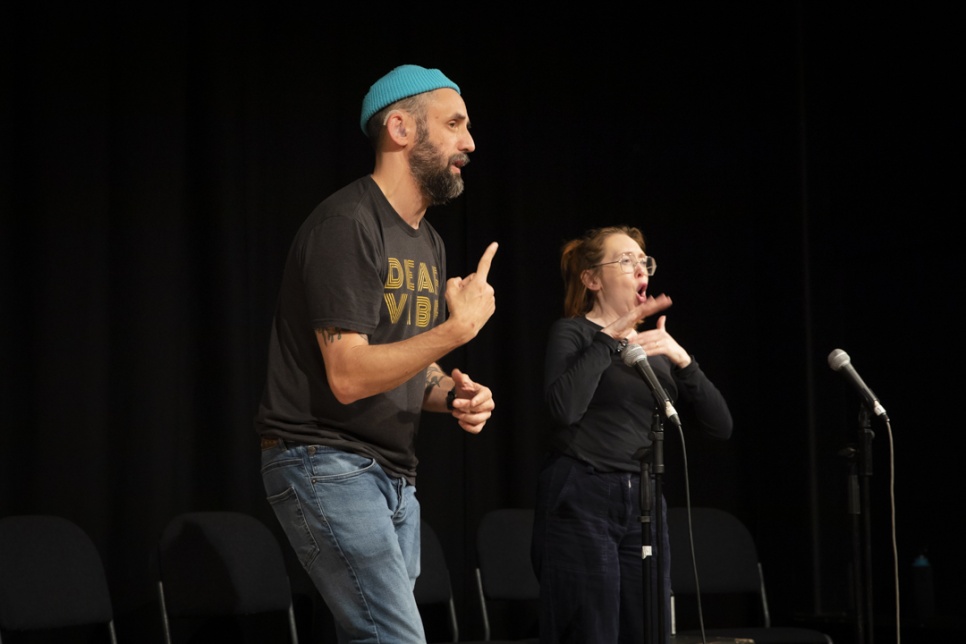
(473, 404)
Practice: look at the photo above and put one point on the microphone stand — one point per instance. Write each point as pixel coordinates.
(855, 515)
(859, 509)
(865, 474)
(651, 504)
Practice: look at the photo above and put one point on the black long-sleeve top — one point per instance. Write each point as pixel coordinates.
(602, 409)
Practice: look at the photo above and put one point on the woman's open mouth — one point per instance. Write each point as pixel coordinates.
(642, 293)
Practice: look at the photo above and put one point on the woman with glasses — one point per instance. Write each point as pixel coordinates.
(587, 529)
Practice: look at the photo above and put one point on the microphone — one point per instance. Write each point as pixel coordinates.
(634, 356)
(839, 361)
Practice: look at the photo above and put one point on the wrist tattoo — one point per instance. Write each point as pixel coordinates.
(434, 376)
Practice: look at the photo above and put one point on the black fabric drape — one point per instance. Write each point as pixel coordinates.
(792, 170)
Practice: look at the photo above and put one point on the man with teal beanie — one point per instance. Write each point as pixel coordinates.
(364, 313)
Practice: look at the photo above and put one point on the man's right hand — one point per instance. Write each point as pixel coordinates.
(471, 300)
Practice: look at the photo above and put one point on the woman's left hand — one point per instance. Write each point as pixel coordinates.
(658, 342)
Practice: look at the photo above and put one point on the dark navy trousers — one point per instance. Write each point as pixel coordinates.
(587, 553)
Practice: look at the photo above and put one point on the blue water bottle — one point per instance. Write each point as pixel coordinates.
(922, 589)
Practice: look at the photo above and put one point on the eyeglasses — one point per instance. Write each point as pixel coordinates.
(629, 264)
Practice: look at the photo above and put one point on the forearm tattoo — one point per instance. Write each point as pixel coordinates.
(434, 376)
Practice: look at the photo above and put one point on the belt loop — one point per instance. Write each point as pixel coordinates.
(268, 442)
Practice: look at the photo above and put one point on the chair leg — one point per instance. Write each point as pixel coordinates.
(291, 624)
(764, 598)
(486, 617)
(453, 624)
(165, 625)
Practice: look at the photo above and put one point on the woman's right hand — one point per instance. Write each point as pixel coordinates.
(625, 327)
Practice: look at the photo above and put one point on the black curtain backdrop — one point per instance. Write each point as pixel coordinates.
(793, 169)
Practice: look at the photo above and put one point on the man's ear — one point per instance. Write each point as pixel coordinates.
(399, 127)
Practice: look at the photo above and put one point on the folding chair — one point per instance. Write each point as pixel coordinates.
(505, 572)
(52, 577)
(227, 567)
(728, 564)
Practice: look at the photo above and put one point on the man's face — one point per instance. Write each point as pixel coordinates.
(442, 147)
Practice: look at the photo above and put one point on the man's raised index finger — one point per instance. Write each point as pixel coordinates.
(483, 269)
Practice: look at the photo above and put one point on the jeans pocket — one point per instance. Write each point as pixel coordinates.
(332, 465)
(291, 515)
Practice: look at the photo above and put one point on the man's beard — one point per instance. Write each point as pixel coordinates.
(432, 172)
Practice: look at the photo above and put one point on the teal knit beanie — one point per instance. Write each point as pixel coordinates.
(400, 83)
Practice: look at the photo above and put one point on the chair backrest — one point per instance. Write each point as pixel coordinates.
(724, 549)
(217, 563)
(51, 576)
(505, 571)
(727, 563)
(434, 586)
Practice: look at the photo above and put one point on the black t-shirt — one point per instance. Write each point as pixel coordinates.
(354, 265)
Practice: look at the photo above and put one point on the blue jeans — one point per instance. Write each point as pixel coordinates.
(355, 530)
(587, 556)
